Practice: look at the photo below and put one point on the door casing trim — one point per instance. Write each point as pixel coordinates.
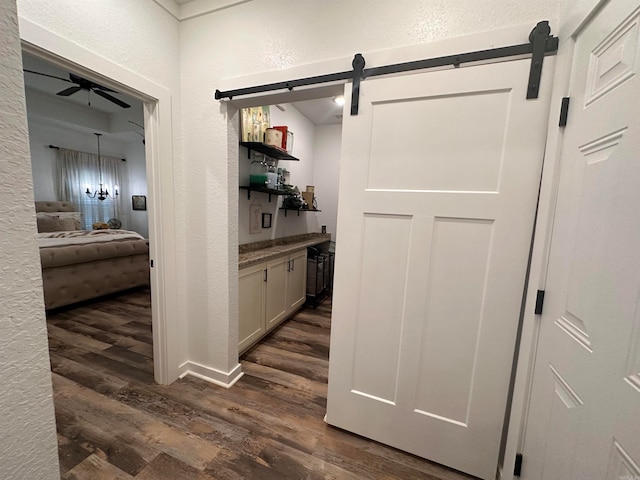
(159, 159)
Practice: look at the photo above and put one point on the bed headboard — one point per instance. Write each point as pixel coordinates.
(55, 206)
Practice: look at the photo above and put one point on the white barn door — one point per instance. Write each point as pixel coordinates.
(584, 416)
(438, 189)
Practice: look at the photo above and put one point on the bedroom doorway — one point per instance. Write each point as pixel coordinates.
(88, 161)
(144, 136)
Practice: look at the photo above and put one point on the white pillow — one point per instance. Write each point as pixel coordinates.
(76, 216)
(59, 221)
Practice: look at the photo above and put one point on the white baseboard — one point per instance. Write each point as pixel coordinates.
(212, 375)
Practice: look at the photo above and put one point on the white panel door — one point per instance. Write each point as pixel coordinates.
(584, 415)
(438, 189)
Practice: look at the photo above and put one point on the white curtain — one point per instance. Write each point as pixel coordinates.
(78, 171)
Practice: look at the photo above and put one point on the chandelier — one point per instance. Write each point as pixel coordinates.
(102, 194)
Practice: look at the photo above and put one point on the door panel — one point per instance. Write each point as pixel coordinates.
(297, 281)
(377, 342)
(466, 170)
(438, 189)
(251, 305)
(585, 405)
(456, 286)
(276, 292)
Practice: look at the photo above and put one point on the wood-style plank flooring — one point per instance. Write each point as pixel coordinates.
(114, 422)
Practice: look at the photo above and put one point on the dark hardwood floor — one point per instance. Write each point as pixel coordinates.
(114, 422)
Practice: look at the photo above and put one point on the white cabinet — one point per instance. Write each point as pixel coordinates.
(276, 292)
(268, 293)
(251, 293)
(297, 289)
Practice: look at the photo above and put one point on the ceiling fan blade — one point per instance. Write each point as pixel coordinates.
(75, 78)
(47, 75)
(115, 100)
(68, 91)
(95, 86)
(88, 84)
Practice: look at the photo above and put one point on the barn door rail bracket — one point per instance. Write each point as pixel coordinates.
(541, 43)
(539, 37)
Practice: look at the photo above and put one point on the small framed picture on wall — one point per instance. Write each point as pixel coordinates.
(139, 202)
(266, 220)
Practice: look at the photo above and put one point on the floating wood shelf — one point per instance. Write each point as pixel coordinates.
(268, 150)
(270, 191)
(298, 210)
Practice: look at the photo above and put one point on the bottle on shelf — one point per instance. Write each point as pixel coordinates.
(272, 177)
(280, 178)
(258, 174)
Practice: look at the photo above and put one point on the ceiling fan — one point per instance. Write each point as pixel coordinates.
(84, 84)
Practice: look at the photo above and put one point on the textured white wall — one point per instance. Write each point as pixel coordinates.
(301, 176)
(43, 159)
(326, 174)
(28, 448)
(140, 37)
(262, 36)
(138, 34)
(43, 133)
(257, 36)
(138, 220)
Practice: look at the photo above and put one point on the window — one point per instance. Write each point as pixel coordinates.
(78, 171)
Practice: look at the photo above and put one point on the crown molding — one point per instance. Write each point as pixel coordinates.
(196, 8)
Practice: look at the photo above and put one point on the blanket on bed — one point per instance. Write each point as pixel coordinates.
(77, 237)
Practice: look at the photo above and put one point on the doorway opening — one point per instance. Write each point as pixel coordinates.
(376, 184)
(88, 161)
(132, 135)
(298, 197)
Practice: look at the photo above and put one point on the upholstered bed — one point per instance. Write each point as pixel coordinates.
(79, 265)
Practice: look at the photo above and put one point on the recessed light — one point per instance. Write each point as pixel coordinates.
(339, 100)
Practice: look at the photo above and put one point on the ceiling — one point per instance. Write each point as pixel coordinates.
(53, 85)
(321, 111)
(83, 101)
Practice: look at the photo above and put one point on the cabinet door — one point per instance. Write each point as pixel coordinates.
(251, 286)
(297, 285)
(276, 292)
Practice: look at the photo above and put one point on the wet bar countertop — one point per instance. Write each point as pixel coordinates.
(257, 252)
